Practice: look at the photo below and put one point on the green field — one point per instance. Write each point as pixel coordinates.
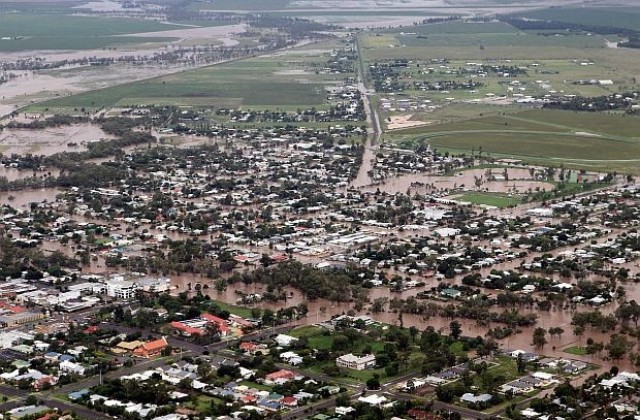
(577, 350)
(236, 310)
(490, 199)
(585, 140)
(23, 31)
(269, 82)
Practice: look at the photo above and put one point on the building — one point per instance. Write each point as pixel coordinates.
(152, 348)
(121, 289)
(350, 361)
(470, 398)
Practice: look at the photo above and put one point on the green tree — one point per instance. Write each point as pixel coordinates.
(539, 337)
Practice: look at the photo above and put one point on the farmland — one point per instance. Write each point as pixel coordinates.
(590, 141)
(24, 32)
(472, 85)
(284, 81)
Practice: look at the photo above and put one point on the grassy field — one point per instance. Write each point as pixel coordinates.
(236, 310)
(490, 199)
(25, 31)
(289, 81)
(586, 140)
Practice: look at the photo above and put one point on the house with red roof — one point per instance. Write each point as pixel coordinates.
(91, 329)
(151, 348)
(279, 376)
(219, 322)
(186, 330)
(289, 401)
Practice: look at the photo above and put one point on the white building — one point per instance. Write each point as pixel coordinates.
(284, 340)
(71, 367)
(121, 289)
(350, 361)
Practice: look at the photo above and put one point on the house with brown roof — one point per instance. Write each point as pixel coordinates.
(151, 348)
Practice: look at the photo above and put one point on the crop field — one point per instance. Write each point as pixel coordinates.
(279, 81)
(25, 31)
(583, 140)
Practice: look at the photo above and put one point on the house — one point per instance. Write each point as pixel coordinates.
(128, 346)
(222, 325)
(253, 348)
(292, 358)
(74, 396)
(279, 376)
(186, 330)
(470, 398)
(152, 348)
(373, 400)
(451, 293)
(284, 340)
(72, 367)
(350, 361)
(289, 401)
(343, 411)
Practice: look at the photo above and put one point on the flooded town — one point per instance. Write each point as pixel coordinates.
(233, 213)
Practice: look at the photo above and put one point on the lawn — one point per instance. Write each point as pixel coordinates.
(319, 339)
(490, 199)
(506, 367)
(577, 350)
(256, 385)
(202, 404)
(236, 310)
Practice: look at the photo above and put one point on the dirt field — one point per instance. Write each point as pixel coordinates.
(404, 121)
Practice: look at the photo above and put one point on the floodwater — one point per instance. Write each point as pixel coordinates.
(519, 181)
(51, 140)
(22, 199)
(320, 310)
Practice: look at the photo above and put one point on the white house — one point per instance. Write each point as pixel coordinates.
(284, 340)
(72, 367)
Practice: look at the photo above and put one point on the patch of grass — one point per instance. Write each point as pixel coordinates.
(577, 350)
(490, 199)
(236, 310)
(506, 367)
(457, 348)
(202, 403)
(256, 385)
